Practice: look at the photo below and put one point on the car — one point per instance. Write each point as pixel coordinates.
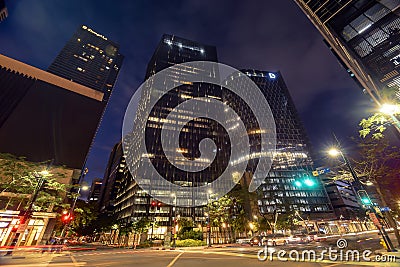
(317, 236)
(299, 239)
(277, 239)
(243, 241)
(257, 240)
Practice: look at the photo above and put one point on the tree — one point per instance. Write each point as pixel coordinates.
(140, 227)
(85, 215)
(19, 179)
(375, 165)
(375, 125)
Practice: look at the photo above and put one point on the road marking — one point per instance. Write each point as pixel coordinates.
(174, 260)
(73, 260)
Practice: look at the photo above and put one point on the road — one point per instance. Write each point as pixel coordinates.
(192, 257)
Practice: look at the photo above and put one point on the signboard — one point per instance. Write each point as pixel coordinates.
(385, 209)
(320, 171)
(374, 219)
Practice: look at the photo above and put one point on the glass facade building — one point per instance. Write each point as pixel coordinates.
(365, 35)
(289, 185)
(90, 59)
(132, 202)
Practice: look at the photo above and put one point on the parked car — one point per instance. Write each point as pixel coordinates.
(317, 236)
(277, 239)
(299, 239)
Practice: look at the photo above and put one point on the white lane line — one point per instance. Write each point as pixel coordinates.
(174, 260)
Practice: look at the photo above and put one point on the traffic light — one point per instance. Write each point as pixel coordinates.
(66, 217)
(159, 204)
(298, 183)
(363, 195)
(153, 205)
(305, 181)
(15, 227)
(309, 182)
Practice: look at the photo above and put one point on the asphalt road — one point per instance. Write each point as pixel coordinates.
(192, 257)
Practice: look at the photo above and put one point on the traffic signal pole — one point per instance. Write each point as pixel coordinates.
(360, 189)
(26, 215)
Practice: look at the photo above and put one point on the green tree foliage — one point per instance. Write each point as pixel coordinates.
(20, 178)
(229, 210)
(377, 123)
(85, 215)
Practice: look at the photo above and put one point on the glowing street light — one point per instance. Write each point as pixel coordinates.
(390, 109)
(334, 152)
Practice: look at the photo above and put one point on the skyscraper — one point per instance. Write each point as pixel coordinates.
(90, 59)
(95, 189)
(289, 186)
(132, 202)
(365, 36)
(115, 172)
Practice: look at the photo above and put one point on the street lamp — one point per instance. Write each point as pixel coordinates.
(209, 192)
(389, 109)
(361, 193)
(173, 225)
(27, 214)
(71, 210)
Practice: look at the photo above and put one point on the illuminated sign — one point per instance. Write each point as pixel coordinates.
(272, 75)
(95, 33)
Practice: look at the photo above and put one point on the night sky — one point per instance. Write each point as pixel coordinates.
(266, 35)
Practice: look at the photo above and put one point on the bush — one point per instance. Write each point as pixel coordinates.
(190, 243)
(197, 235)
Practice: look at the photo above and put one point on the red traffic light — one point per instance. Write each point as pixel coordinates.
(154, 203)
(159, 204)
(67, 218)
(15, 227)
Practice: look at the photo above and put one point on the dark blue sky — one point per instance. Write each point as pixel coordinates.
(265, 35)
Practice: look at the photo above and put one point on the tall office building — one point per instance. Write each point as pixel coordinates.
(3, 10)
(95, 190)
(365, 36)
(90, 59)
(132, 202)
(115, 172)
(289, 185)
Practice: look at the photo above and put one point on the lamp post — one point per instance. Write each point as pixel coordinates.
(27, 214)
(173, 224)
(361, 193)
(71, 211)
(391, 111)
(209, 192)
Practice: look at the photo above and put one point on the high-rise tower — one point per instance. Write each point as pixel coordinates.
(365, 36)
(289, 186)
(172, 50)
(90, 59)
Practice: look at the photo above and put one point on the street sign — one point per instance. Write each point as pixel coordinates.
(320, 171)
(374, 219)
(385, 209)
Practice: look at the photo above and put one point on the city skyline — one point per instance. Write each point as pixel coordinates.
(307, 95)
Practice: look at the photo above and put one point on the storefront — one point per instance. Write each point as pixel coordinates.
(31, 234)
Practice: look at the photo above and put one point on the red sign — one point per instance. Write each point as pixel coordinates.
(374, 219)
